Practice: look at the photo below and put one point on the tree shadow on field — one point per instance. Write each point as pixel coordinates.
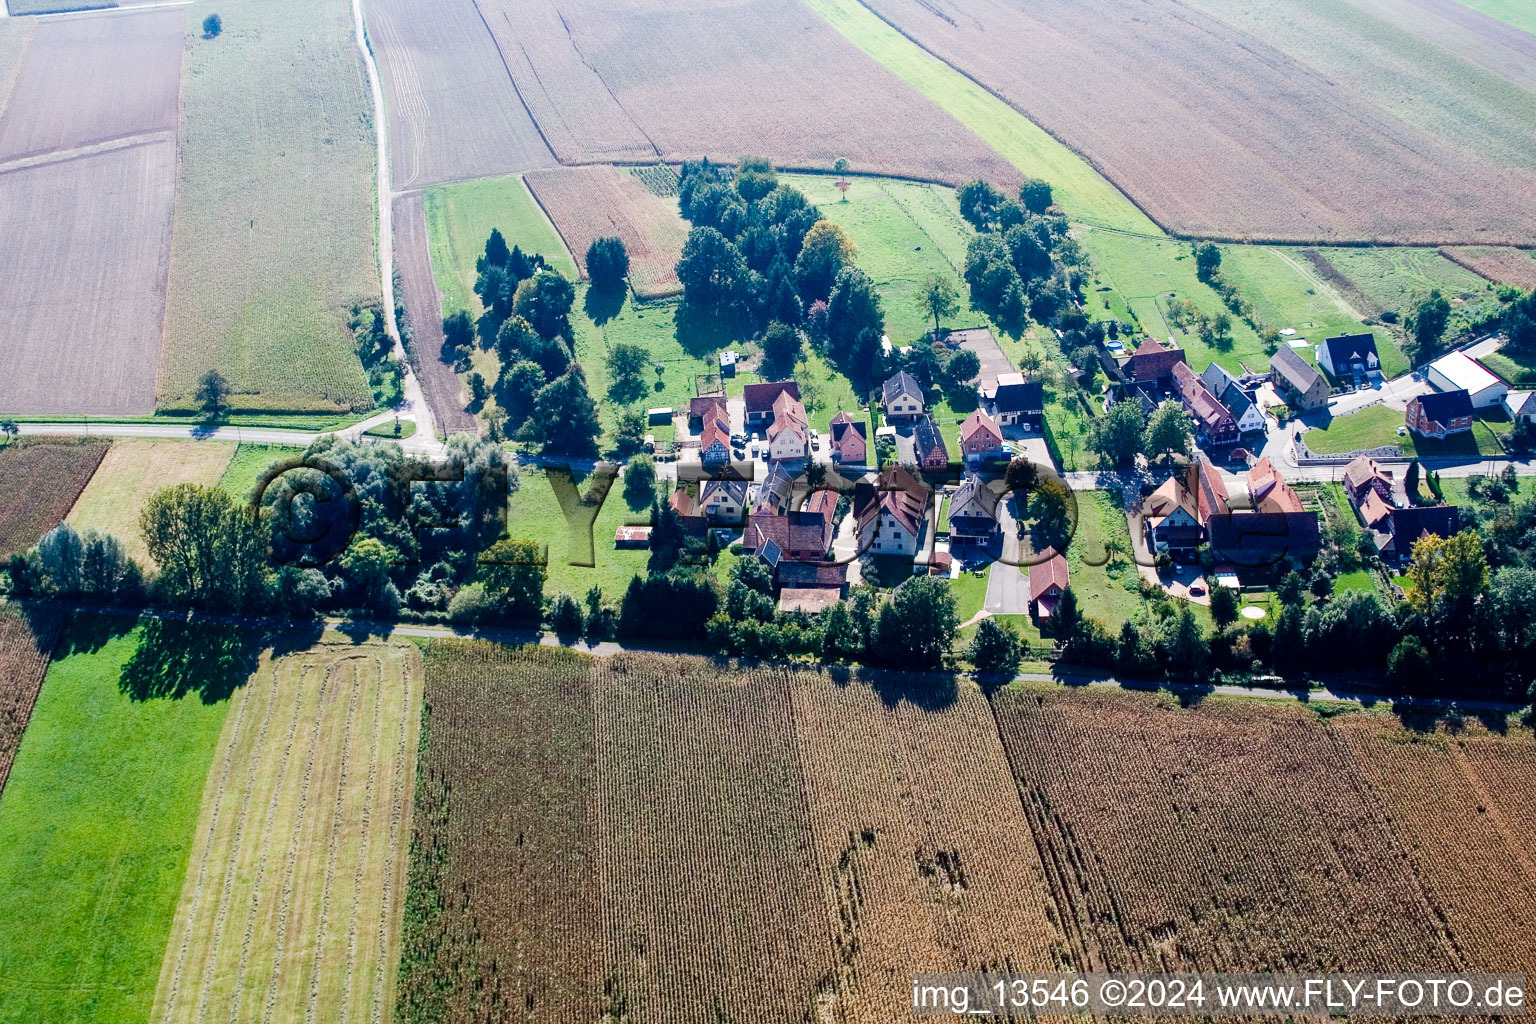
(87, 632)
(603, 304)
(701, 332)
(175, 659)
(931, 691)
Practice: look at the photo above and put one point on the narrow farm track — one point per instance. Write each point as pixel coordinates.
(425, 438)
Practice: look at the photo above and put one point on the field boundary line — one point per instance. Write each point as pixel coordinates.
(507, 68)
(51, 157)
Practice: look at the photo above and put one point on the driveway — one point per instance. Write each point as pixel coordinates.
(1395, 393)
(1007, 586)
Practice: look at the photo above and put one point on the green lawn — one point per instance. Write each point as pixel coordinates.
(970, 590)
(1361, 579)
(534, 511)
(250, 461)
(1377, 425)
(274, 232)
(96, 826)
(1109, 590)
(1082, 192)
(1518, 13)
(1148, 274)
(904, 232)
(1287, 291)
(1398, 278)
(1517, 370)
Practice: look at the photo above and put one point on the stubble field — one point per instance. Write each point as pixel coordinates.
(291, 904)
(1424, 144)
(274, 231)
(672, 839)
(39, 482)
(129, 476)
(25, 644)
(588, 203)
(628, 82)
(454, 113)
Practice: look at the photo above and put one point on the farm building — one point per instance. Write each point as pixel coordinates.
(1411, 524)
(849, 447)
(1154, 361)
(1299, 383)
(1019, 403)
(980, 438)
(1350, 356)
(1277, 527)
(902, 398)
(1048, 580)
(1440, 414)
(1214, 425)
(1520, 406)
(632, 537)
(1457, 371)
(1366, 474)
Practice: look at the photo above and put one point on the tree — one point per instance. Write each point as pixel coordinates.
(711, 269)
(1223, 607)
(781, 348)
(1290, 589)
(210, 551)
(458, 337)
(1021, 476)
(667, 538)
(627, 363)
(1411, 482)
(1207, 261)
(516, 389)
(1520, 324)
(855, 323)
(755, 178)
(1116, 437)
(212, 26)
(922, 623)
(545, 301)
(1169, 430)
(512, 573)
(10, 428)
(212, 393)
(1035, 195)
(978, 203)
(842, 637)
(1408, 666)
(565, 616)
(640, 482)
(1429, 323)
(607, 263)
(629, 433)
(840, 168)
(937, 298)
(564, 418)
(1448, 573)
(961, 369)
(516, 339)
(1187, 648)
(996, 648)
(824, 253)
(366, 564)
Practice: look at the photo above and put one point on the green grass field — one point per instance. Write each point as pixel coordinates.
(274, 226)
(1517, 370)
(534, 511)
(1377, 425)
(970, 590)
(1082, 192)
(250, 461)
(904, 232)
(1518, 13)
(1110, 591)
(1287, 291)
(131, 473)
(1148, 274)
(95, 829)
(1398, 278)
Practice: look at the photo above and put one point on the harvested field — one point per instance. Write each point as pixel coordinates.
(1253, 836)
(291, 905)
(630, 81)
(82, 280)
(41, 478)
(424, 315)
(95, 79)
(15, 35)
(1425, 144)
(1501, 264)
(130, 475)
(772, 878)
(454, 113)
(274, 231)
(588, 203)
(25, 643)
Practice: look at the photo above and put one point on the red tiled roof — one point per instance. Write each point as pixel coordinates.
(760, 397)
(899, 493)
(1202, 405)
(848, 439)
(1051, 572)
(1210, 491)
(979, 422)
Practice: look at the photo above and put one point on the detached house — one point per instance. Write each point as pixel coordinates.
(715, 438)
(848, 444)
(724, 502)
(892, 514)
(972, 513)
(1298, 382)
(1440, 414)
(1214, 425)
(928, 445)
(1019, 403)
(1171, 520)
(1350, 356)
(980, 439)
(789, 435)
(1366, 474)
(1048, 580)
(901, 398)
(759, 399)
